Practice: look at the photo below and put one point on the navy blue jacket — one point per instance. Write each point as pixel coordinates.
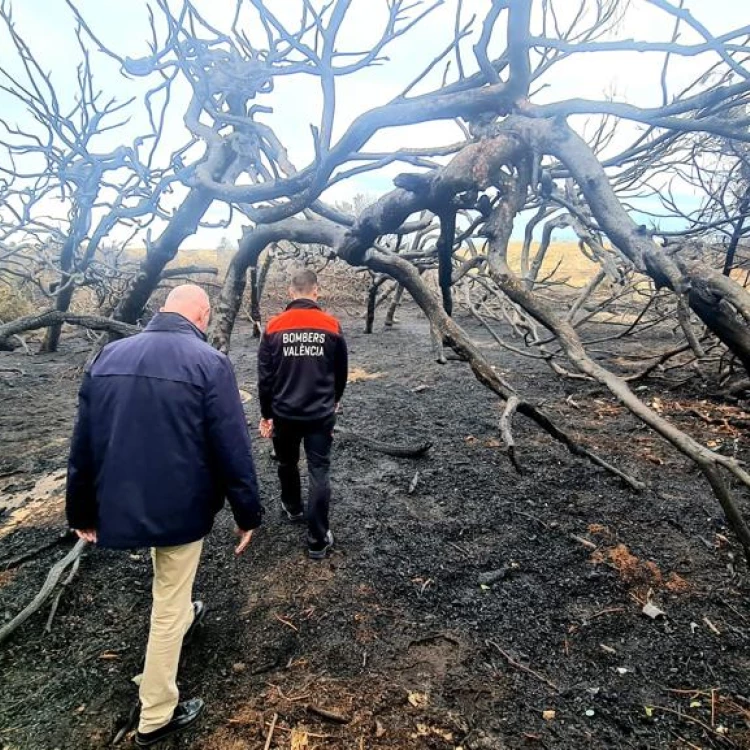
(160, 441)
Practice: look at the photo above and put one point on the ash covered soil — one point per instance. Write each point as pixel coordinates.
(481, 609)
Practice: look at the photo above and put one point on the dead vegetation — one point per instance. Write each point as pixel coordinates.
(607, 359)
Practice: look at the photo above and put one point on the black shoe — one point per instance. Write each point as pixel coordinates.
(199, 612)
(319, 553)
(185, 715)
(291, 516)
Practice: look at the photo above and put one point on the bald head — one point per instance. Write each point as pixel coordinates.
(191, 302)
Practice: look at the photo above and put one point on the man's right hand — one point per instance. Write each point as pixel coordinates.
(266, 428)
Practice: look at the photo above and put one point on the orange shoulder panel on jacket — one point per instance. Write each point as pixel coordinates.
(302, 319)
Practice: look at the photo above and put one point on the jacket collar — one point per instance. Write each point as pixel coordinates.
(303, 304)
(168, 322)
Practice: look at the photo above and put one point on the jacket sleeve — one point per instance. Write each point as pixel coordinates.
(265, 377)
(341, 366)
(230, 444)
(80, 494)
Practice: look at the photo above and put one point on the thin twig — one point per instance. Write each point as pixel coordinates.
(326, 714)
(692, 719)
(528, 670)
(286, 622)
(269, 737)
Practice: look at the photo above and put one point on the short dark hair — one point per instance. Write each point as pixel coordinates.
(304, 280)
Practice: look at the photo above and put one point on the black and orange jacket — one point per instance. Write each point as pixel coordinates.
(302, 364)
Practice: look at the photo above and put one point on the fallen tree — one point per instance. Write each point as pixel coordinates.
(57, 317)
(454, 213)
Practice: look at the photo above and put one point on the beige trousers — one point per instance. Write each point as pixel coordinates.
(171, 616)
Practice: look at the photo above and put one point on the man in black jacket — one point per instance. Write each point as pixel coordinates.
(160, 441)
(302, 373)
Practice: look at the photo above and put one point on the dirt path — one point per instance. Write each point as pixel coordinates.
(454, 616)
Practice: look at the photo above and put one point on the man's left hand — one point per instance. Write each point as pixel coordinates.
(88, 535)
(245, 538)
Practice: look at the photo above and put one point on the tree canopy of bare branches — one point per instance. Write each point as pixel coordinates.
(610, 172)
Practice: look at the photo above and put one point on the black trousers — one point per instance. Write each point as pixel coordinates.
(317, 436)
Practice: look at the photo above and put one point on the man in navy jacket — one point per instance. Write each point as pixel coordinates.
(302, 374)
(160, 442)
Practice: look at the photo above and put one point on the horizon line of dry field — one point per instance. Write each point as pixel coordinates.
(564, 265)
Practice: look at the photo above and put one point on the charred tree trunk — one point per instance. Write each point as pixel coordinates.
(265, 265)
(183, 224)
(393, 307)
(255, 302)
(372, 297)
(62, 305)
(737, 233)
(80, 225)
(258, 284)
(372, 301)
(445, 258)
(228, 305)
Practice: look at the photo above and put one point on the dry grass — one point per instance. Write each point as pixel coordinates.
(563, 263)
(13, 304)
(341, 284)
(564, 259)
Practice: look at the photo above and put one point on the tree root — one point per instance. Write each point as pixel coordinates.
(528, 670)
(53, 578)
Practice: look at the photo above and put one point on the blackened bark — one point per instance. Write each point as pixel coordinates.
(725, 310)
(183, 224)
(62, 304)
(57, 317)
(445, 259)
(255, 314)
(229, 304)
(372, 298)
(720, 318)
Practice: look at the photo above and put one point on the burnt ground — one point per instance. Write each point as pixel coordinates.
(399, 630)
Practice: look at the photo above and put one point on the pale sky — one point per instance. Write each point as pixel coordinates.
(48, 27)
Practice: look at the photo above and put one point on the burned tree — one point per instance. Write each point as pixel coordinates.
(518, 162)
(62, 156)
